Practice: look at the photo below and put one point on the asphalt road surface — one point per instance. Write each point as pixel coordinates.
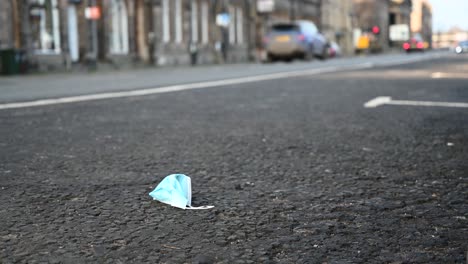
(299, 171)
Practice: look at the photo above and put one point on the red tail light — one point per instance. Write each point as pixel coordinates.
(420, 45)
(406, 46)
(301, 37)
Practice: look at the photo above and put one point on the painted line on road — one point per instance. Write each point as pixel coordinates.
(200, 85)
(437, 75)
(445, 75)
(181, 87)
(167, 89)
(387, 100)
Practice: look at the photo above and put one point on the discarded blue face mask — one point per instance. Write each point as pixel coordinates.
(176, 190)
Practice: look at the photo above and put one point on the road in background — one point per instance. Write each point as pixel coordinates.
(27, 88)
(299, 171)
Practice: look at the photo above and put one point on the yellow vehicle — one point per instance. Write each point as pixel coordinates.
(363, 42)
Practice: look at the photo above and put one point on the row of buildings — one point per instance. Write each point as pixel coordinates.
(449, 38)
(57, 33)
(63, 33)
(415, 15)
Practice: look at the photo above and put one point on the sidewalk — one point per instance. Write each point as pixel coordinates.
(31, 87)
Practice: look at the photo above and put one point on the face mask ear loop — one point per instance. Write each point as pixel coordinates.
(200, 207)
(189, 194)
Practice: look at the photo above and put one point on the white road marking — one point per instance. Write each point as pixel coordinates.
(436, 75)
(199, 85)
(174, 88)
(181, 87)
(378, 101)
(445, 75)
(386, 100)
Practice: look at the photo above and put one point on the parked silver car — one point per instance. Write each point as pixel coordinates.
(462, 47)
(300, 39)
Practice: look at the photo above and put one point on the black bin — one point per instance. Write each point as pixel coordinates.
(12, 61)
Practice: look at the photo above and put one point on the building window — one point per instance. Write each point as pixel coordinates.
(119, 27)
(205, 22)
(194, 16)
(45, 26)
(239, 25)
(6, 24)
(178, 21)
(232, 25)
(73, 36)
(166, 21)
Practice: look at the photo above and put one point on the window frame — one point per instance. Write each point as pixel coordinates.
(166, 22)
(205, 22)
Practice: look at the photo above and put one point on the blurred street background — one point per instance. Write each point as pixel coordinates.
(322, 131)
(80, 35)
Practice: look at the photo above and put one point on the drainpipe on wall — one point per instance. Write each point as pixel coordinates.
(249, 15)
(132, 29)
(150, 7)
(26, 36)
(65, 49)
(16, 25)
(92, 40)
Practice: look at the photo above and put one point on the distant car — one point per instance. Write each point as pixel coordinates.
(462, 47)
(300, 39)
(334, 50)
(416, 43)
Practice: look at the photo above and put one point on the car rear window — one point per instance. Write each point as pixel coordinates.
(285, 28)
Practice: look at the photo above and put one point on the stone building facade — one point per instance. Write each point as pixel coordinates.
(57, 33)
(6, 25)
(370, 13)
(383, 14)
(337, 24)
(400, 12)
(421, 19)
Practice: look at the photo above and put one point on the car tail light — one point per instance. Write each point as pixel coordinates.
(406, 46)
(420, 45)
(301, 37)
